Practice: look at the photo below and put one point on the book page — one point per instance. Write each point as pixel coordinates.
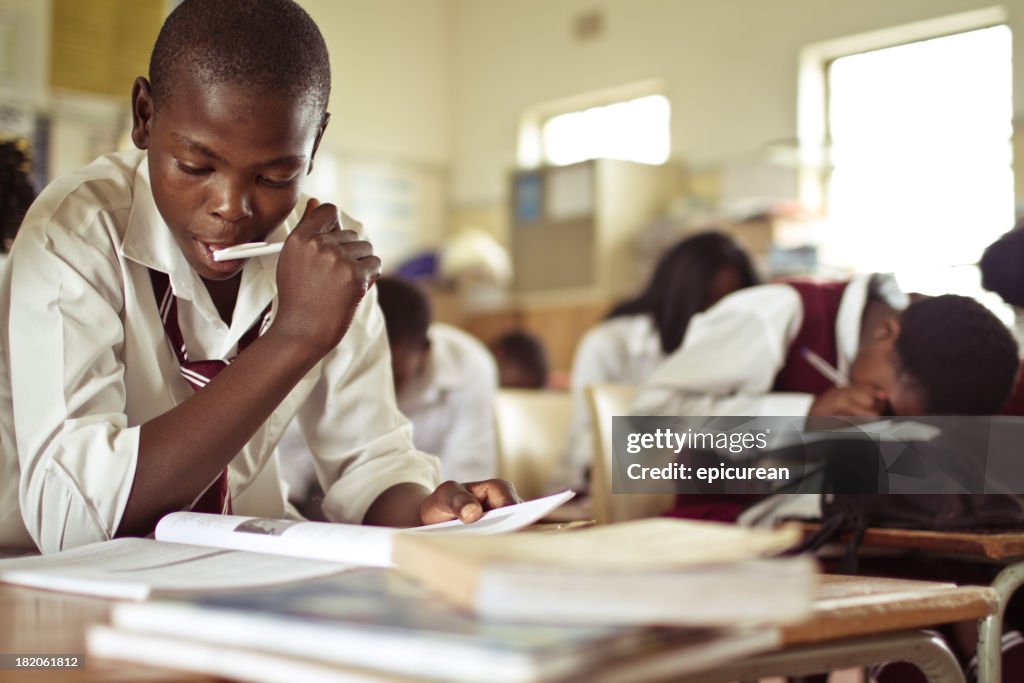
(349, 543)
(133, 568)
(502, 520)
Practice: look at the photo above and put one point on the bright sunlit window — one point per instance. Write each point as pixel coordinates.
(921, 153)
(634, 130)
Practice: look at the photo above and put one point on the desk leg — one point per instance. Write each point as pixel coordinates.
(925, 650)
(990, 629)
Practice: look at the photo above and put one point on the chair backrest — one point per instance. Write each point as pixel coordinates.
(533, 433)
(605, 402)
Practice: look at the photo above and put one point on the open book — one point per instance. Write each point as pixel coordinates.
(651, 571)
(194, 551)
(347, 626)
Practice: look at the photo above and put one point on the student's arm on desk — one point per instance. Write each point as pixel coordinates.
(729, 358)
(407, 505)
(323, 273)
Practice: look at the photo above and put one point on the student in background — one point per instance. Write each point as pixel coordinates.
(638, 333)
(522, 361)
(17, 190)
(1002, 272)
(445, 381)
(941, 355)
(115, 316)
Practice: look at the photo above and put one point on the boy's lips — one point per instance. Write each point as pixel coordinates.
(207, 249)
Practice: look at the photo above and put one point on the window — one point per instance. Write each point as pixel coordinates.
(920, 146)
(632, 129)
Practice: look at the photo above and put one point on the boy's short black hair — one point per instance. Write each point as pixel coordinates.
(264, 44)
(527, 352)
(1002, 267)
(406, 311)
(959, 353)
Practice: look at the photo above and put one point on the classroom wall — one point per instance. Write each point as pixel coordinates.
(392, 68)
(443, 83)
(730, 67)
(24, 50)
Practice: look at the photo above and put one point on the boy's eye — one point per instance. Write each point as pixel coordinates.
(281, 184)
(193, 170)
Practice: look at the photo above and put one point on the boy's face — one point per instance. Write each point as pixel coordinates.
(226, 163)
(408, 362)
(878, 366)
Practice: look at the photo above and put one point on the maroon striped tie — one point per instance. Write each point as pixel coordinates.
(198, 373)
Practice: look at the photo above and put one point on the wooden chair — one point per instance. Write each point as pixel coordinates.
(606, 401)
(533, 431)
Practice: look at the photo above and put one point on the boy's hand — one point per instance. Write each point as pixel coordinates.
(322, 275)
(468, 502)
(851, 400)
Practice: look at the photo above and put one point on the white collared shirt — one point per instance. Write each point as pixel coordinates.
(731, 355)
(86, 363)
(451, 405)
(732, 352)
(621, 350)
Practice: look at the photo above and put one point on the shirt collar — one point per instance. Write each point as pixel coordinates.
(851, 311)
(149, 241)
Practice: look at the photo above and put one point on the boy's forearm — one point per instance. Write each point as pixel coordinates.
(183, 450)
(398, 506)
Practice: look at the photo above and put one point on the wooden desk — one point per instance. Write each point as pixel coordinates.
(993, 546)
(1001, 548)
(33, 621)
(849, 606)
(41, 622)
(862, 621)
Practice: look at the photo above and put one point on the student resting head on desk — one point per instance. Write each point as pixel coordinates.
(116, 314)
(945, 355)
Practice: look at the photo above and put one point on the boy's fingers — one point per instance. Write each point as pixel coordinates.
(310, 205)
(494, 493)
(319, 218)
(451, 500)
(862, 397)
(464, 504)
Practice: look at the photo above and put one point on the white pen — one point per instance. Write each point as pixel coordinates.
(247, 250)
(825, 368)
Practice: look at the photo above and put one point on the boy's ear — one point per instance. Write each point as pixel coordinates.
(142, 112)
(888, 330)
(319, 137)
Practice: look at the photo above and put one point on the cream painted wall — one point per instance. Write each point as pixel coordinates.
(730, 67)
(392, 70)
(26, 51)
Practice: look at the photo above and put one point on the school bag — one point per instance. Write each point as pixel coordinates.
(972, 455)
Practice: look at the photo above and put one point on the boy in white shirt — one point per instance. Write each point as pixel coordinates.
(445, 381)
(101, 432)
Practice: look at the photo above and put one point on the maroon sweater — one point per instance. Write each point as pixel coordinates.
(820, 301)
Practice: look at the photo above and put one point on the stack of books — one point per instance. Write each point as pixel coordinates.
(627, 602)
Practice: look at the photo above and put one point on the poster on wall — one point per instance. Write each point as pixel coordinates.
(529, 197)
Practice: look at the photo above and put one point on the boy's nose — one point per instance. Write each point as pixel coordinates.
(231, 202)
